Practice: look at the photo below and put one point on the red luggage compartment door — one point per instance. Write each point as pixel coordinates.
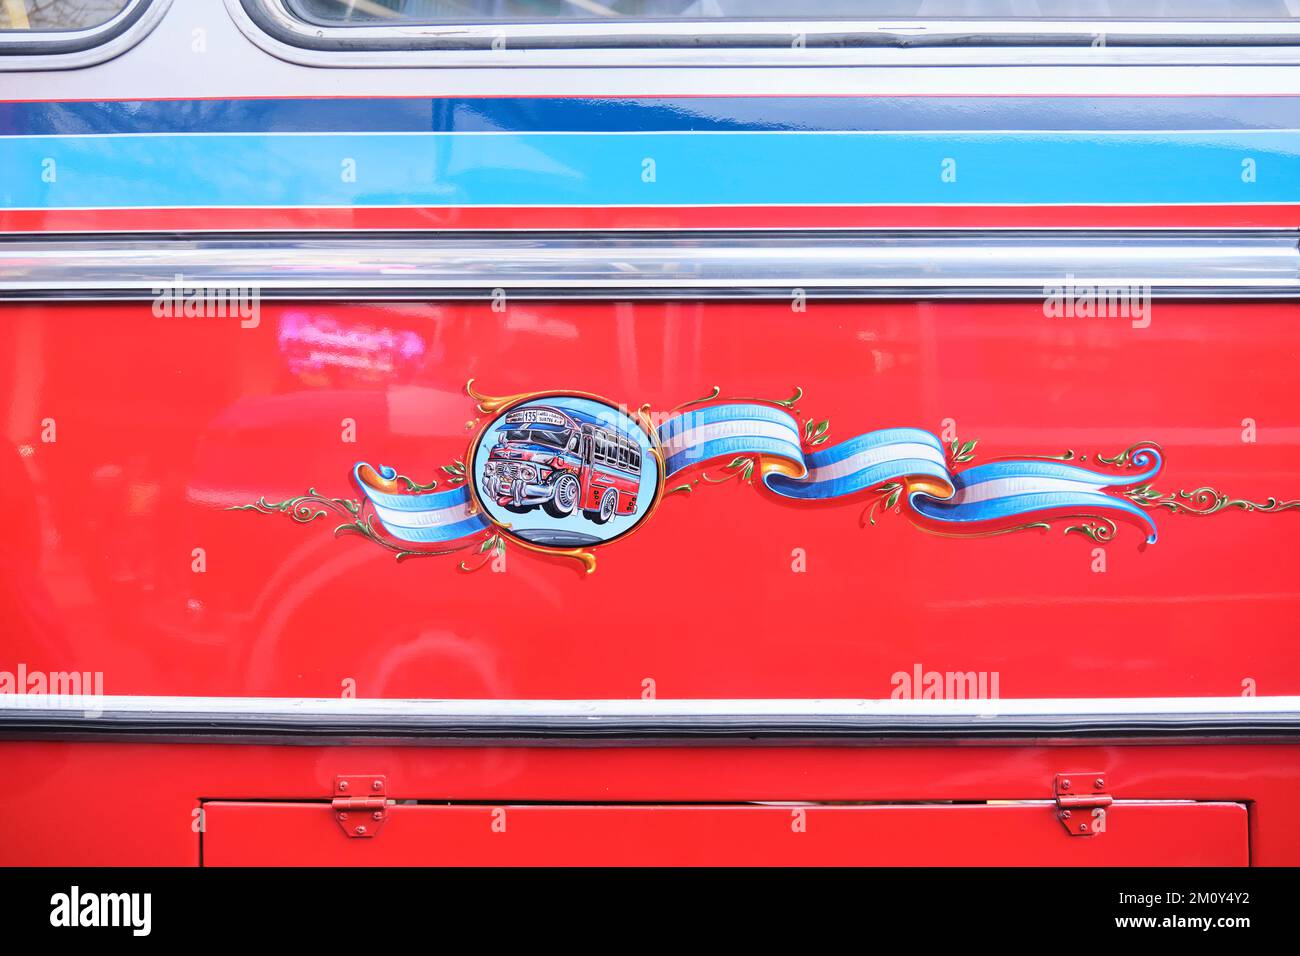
(1136, 833)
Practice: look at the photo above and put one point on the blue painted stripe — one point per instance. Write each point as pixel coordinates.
(634, 114)
(439, 534)
(1056, 469)
(858, 481)
(594, 169)
(1026, 506)
(719, 447)
(727, 413)
(399, 501)
(885, 436)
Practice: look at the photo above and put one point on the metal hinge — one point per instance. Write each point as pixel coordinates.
(1081, 802)
(360, 805)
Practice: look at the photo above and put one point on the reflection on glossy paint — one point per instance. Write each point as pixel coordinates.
(319, 348)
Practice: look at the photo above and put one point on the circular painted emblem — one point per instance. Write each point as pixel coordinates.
(563, 471)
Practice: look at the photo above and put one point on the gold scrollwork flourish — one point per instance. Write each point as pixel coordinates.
(1202, 501)
(311, 506)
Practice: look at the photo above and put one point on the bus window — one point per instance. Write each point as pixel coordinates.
(61, 15)
(614, 32)
(396, 12)
(60, 34)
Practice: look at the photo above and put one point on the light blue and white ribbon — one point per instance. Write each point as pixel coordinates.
(1017, 489)
(425, 518)
(1001, 491)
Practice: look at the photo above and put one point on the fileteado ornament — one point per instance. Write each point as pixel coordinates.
(564, 473)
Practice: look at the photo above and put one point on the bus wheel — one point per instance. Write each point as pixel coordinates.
(565, 498)
(608, 505)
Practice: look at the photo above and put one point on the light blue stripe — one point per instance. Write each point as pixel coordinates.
(743, 445)
(1026, 505)
(435, 501)
(418, 502)
(700, 168)
(1054, 469)
(447, 532)
(858, 481)
(886, 436)
(727, 413)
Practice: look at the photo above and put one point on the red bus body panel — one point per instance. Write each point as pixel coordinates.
(1138, 834)
(164, 426)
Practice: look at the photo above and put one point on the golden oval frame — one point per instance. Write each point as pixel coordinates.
(495, 406)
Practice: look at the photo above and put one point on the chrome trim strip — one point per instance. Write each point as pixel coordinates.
(755, 264)
(64, 50)
(322, 720)
(732, 42)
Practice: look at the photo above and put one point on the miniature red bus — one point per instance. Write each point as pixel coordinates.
(565, 462)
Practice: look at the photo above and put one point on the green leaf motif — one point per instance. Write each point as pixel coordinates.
(960, 452)
(814, 433)
(889, 494)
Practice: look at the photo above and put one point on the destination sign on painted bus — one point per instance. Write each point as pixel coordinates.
(539, 416)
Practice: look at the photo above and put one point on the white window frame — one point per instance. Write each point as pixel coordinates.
(71, 49)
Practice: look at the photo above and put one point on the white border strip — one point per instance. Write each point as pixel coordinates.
(636, 708)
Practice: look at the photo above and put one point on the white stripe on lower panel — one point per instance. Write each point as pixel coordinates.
(707, 707)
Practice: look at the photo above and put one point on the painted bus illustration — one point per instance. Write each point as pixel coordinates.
(565, 461)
